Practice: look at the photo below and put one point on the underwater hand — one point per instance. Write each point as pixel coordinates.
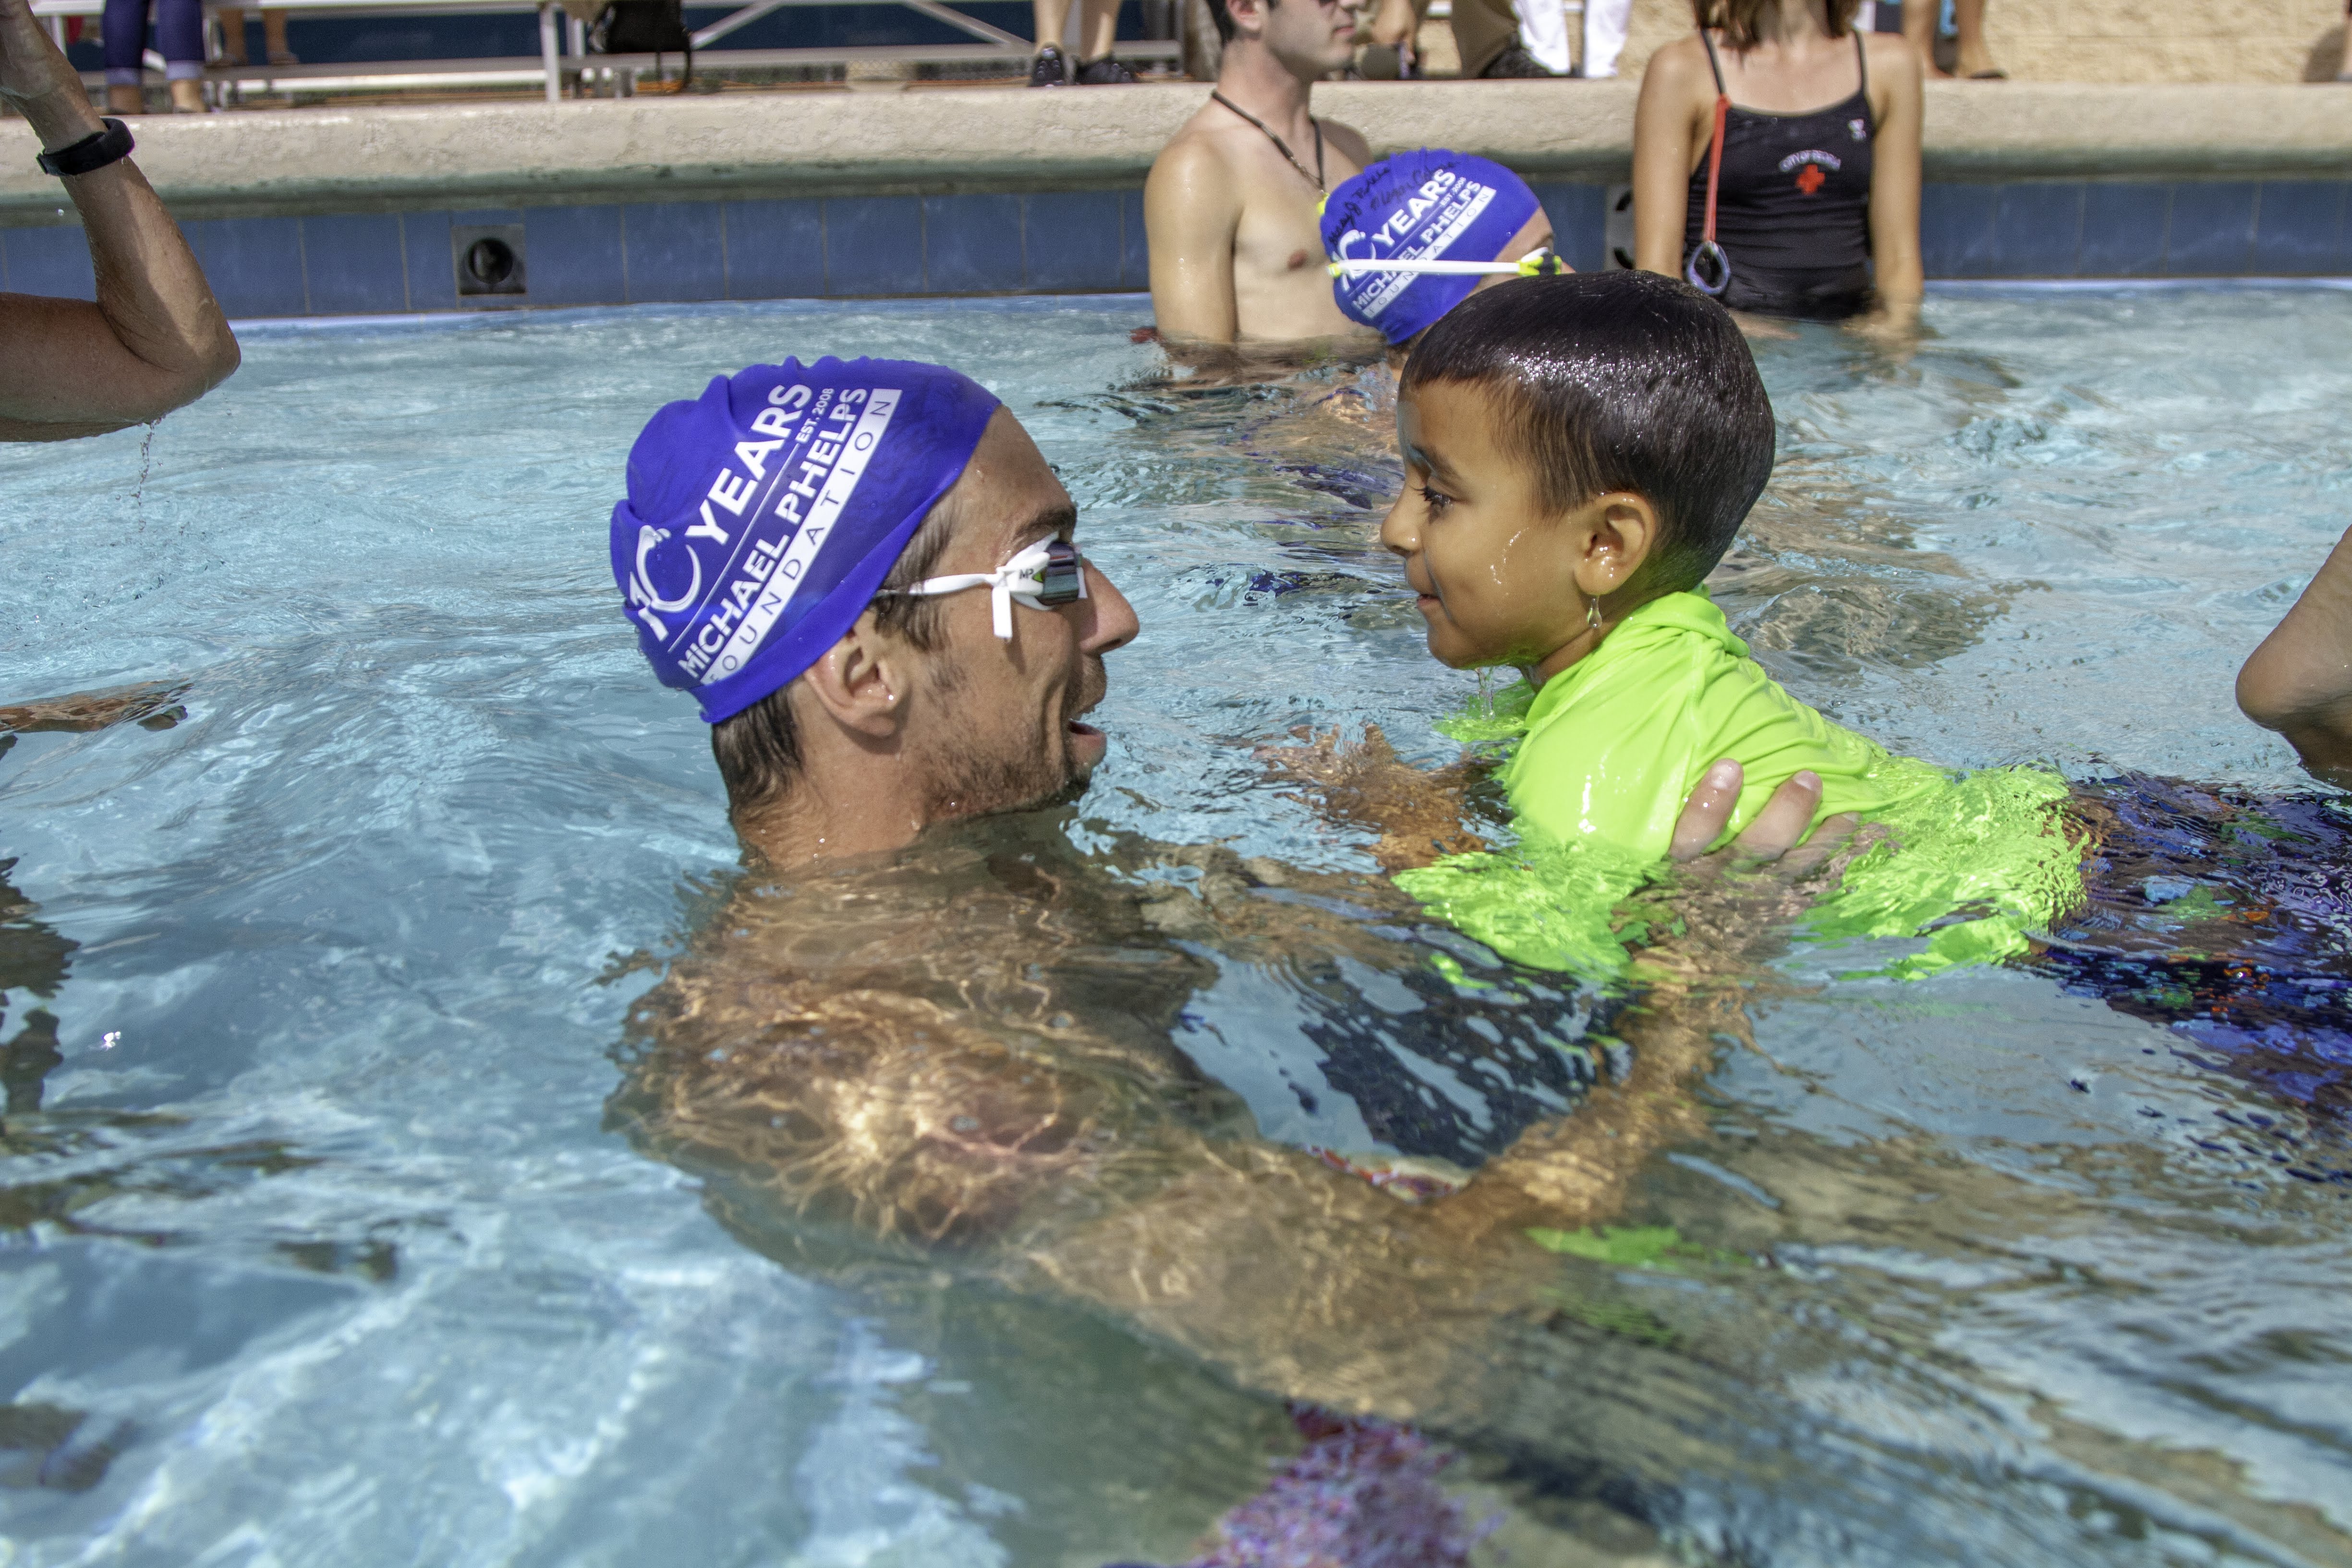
(154, 704)
(1417, 812)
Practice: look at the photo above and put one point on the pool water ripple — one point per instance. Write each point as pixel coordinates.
(323, 1221)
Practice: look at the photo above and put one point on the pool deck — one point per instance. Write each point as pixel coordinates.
(800, 144)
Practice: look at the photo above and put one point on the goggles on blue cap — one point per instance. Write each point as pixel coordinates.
(762, 517)
(1045, 576)
(1409, 238)
(1534, 264)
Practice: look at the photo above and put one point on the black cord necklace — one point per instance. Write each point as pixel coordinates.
(1315, 179)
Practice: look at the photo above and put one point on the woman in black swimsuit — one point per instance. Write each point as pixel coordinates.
(1816, 209)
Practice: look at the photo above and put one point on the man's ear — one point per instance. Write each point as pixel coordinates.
(1622, 535)
(862, 681)
(1249, 17)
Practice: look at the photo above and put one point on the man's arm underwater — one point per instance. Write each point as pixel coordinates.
(1046, 1156)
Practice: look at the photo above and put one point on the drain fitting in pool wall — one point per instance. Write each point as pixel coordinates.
(490, 261)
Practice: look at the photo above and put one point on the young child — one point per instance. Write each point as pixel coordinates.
(1579, 452)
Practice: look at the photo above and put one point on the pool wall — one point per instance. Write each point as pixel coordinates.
(344, 212)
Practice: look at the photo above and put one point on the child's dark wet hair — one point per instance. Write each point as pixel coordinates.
(1619, 380)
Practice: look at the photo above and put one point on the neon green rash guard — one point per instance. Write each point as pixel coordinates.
(1611, 748)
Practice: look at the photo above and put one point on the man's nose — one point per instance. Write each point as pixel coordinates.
(1110, 619)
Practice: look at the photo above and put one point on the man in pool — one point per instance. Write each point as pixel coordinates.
(1238, 272)
(927, 1014)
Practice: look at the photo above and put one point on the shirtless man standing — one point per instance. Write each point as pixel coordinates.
(1230, 208)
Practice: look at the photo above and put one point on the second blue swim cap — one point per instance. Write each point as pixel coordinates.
(1429, 205)
(761, 517)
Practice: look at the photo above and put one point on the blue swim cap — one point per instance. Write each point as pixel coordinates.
(761, 517)
(1429, 205)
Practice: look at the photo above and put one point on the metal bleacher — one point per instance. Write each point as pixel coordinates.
(564, 61)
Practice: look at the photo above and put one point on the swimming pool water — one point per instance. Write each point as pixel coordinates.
(320, 1223)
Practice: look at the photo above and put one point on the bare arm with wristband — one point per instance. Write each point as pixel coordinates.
(156, 338)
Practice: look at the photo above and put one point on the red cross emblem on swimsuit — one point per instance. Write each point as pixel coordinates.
(1812, 180)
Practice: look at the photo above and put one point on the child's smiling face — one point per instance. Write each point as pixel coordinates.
(1502, 577)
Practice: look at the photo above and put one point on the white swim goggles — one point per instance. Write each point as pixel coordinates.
(1045, 576)
(1535, 264)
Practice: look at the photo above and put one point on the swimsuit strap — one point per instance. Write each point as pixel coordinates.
(1315, 179)
(1862, 61)
(1714, 65)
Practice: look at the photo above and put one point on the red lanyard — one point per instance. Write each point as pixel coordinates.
(1707, 249)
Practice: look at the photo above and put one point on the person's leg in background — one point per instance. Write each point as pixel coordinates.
(1605, 22)
(2344, 71)
(1920, 20)
(180, 30)
(232, 25)
(1394, 51)
(1486, 35)
(126, 43)
(1543, 33)
(1975, 60)
(273, 40)
(1097, 27)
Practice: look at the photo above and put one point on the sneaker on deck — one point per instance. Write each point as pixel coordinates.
(1051, 68)
(1104, 72)
(1515, 61)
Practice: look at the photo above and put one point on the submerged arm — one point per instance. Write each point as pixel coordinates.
(1042, 1154)
(2299, 681)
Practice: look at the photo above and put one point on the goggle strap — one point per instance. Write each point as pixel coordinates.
(1031, 564)
(1534, 264)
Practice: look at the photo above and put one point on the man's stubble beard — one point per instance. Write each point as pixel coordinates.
(971, 777)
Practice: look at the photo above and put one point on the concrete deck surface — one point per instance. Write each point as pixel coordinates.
(804, 144)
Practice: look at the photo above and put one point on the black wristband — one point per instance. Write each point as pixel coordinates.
(95, 150)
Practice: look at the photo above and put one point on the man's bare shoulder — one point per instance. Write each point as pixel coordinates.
(1348, 141)
(1201, 145)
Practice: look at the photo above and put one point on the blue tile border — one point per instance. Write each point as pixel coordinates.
(2037, 230)
(355, 265)
(1075, 241)
(573, 256)
(2300, 227)
(255, 265)
(775, 250)
(1579, 219)
(672, 253)
(2212, 230)
(1956, 230)
(872, 246)
(1092, 241)
(424, 257)
(2124, 227)
(973, 245)
(53, 261)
